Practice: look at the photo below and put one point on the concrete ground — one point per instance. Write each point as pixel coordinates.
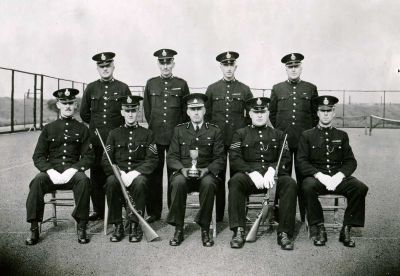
(58, 253)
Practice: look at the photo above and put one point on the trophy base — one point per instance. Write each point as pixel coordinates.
(194, 173)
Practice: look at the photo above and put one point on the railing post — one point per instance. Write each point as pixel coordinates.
(73, 84)
(12, 100)
(41, 101)
(344, 101)
(58, 84)
(384, 108)
(34, 101)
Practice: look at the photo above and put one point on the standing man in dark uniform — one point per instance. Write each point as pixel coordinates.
(254, 155)
(204, 139)
(63, 154)
(100, 109)
(164, 109)
(327, 162)
(132, 148)
(226, 108)
(292, 109)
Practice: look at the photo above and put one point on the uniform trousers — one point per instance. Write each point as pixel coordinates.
(154, 198)
(180, 187)
(241, 186)
(354, 190)
(97, 180)
(299, 180)
(42, 184)
(115, 197)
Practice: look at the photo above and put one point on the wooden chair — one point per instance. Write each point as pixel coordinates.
(196, 206)
(56, 199)
(331, 204)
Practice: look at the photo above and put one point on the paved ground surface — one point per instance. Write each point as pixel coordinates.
(376, 253)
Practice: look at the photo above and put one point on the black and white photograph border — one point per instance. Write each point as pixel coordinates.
(351, 51)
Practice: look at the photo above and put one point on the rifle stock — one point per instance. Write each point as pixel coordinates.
(149, 233)
(266, 210)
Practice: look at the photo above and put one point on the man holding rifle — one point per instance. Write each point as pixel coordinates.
(327, 161)
(63, 154)
(254, 155)
(132, 148)
(201, 142)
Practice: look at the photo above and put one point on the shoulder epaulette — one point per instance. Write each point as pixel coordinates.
(210, 124)
(187, 124)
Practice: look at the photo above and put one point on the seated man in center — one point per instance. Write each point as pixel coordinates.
(254, 155)
(204, 139)
(132, 148)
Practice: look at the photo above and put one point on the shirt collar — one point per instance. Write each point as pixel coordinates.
(231, 81)
(194, 125)
(324, 128)
(135, 125)
(164, 78)
(107, 81)
(294, 81)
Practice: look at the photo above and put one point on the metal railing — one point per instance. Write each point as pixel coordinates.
(31, 93)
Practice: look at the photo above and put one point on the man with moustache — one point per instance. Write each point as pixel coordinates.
(164, 109)
(226, 108)
(63, 154)
(254, 155)
(204, 139)
(292, 109)
(100, 108)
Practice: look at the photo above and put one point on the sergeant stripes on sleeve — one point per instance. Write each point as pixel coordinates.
(235, 145)
(153, 148)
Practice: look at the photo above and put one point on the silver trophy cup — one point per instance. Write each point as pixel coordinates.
(193, 171)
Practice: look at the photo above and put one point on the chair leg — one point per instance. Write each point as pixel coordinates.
(105, 217)
(54, 208)
(214, 219)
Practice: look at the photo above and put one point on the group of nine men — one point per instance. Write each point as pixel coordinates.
(224, 122)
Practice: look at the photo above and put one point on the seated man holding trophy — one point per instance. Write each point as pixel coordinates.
(196, 157)
(255, 153)
(132, 148)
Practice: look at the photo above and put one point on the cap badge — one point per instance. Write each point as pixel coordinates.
(164, 53)
(195, 100)
(259, 102)
(326, 102)
(103, 57)
(228, 55)
(293, 57)
(67, 93)
(129, 100)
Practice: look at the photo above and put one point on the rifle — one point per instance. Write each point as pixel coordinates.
(267, 204)
(149, 233)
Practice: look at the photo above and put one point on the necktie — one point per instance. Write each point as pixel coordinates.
(197, 128)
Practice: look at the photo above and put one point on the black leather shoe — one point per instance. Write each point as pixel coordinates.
(238, 238)
(34, 237)
(153, 218)
(285, 242)
(321, 238)
(95, 216)
(177, 239)
(118, 233)
(345, 238)
(205, 238)
(135, 234)
(82, 237)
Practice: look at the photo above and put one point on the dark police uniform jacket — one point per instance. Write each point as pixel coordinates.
(163, 106)
(63, 144)
(256, 149)
(292, 109)
(100, 107)
(131, 148)
(226, 106)
(325, 150)
(208, 141)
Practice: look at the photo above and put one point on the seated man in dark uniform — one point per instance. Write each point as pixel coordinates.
(254, 155)
(132, 148)
(63, 154)
(326, 160)
(205, 140)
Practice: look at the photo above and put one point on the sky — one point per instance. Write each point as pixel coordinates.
(347, 44)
